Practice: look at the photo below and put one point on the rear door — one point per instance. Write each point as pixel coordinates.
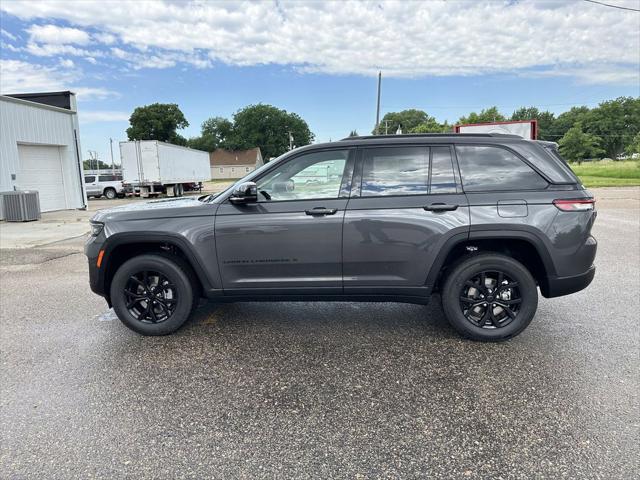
(407, 202)
(290, 241)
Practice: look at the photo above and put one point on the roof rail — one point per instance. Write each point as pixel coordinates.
(431, 135)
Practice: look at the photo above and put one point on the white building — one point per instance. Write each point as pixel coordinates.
(40, 148)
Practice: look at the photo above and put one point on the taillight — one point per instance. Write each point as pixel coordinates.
(575, 204)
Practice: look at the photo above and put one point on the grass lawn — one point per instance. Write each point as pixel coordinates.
(608, 174)
(217, 185)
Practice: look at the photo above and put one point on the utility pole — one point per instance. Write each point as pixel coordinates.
(386, 127)
(378, 104)
(290, 141)
(113, 168)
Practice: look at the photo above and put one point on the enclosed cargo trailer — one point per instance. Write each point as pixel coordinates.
(156, 167)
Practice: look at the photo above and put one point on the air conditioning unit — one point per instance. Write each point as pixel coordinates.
(20, 206)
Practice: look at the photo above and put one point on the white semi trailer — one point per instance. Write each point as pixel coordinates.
(154, 167)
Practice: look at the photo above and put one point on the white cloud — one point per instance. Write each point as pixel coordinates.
(20, 77)
(7, 34)
(58, 35)
(9, 47)
(67, 63)
(95, 93)
(594, 75)
(103, 116)
(105, 38)
(404, 39)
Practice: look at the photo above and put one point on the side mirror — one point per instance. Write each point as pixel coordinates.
(246, 192)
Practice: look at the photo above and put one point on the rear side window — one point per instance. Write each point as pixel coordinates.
(485, 168)
(442, 178)
(395, 171)
(89, 179)
(109, 178)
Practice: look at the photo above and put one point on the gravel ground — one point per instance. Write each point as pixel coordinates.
(320, 390)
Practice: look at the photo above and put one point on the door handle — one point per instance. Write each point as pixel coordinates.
(321, 211)
(441, 207)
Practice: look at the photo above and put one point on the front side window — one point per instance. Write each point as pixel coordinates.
(311, 176)
(395, 171)
(485, 168)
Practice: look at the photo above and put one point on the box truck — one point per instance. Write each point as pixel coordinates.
(153, 167)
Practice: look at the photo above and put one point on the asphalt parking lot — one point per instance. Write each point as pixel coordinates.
(336, 390)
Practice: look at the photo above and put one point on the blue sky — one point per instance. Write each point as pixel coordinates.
(317, 59)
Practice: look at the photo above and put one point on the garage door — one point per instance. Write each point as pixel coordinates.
(41, 169)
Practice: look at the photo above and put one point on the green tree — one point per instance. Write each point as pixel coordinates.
(216, 132)
(486, 115)
(267, 127)
(432, 126)
(577, 146)
(353, 133)
(158, 121)
(407, 120)
(565, 121)
(634, 146)
(95, 165)
(545, 120)
(616, 122)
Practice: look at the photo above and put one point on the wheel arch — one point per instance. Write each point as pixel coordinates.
(524, 246)
(121, 247)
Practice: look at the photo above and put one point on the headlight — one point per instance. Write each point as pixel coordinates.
(96, 228)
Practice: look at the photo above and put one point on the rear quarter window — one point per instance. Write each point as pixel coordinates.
(488, 168)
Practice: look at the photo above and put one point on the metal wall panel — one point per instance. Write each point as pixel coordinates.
(28, 123)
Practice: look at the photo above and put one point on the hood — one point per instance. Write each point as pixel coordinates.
(164, 208)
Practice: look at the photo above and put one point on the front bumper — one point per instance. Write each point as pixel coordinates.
(92, 250)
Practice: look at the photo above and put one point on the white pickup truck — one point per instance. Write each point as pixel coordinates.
(106, 184)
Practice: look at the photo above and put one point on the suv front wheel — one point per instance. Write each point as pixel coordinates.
(489, 297)
(153, 294)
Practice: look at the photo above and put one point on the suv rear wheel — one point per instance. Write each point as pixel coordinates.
(153, 294)
(489, 297)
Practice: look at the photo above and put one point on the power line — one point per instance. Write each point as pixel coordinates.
(503, 105)
(613, 6)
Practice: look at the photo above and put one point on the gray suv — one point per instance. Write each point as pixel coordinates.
(483, 219)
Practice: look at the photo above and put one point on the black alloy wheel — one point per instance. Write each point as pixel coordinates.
(154, 293)
(150, 296)
(490, 299)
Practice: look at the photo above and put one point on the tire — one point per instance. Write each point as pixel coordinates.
(110, 193)
(168, 281)
(473, 310)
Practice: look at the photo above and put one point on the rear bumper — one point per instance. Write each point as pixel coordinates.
(559, 286)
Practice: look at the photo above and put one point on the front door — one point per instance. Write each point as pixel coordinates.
(290, 241)
(91, 185)
(406, 203)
